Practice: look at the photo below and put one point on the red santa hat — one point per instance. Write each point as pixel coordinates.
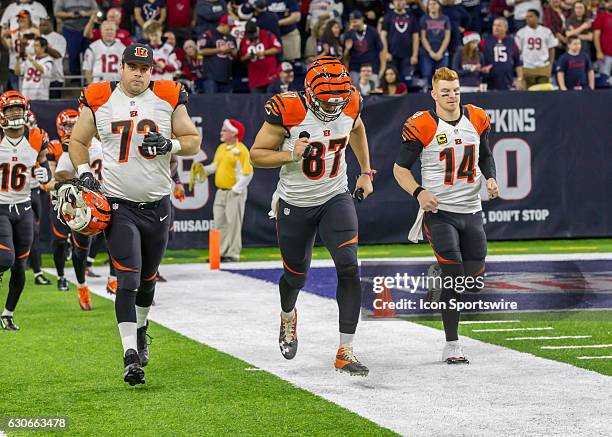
(469, 37)
(234, 126)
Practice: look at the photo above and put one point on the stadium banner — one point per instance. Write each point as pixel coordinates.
(550, 148)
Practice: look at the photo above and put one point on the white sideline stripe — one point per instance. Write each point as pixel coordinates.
(476, 322)
(586, 346)
(548, 328)
(409, 390)
(424, 259)
(603, 357)
(561, 337)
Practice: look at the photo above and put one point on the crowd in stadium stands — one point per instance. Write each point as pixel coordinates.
(264, 46)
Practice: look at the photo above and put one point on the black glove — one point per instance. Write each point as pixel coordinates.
(155, 144)
(89, 181)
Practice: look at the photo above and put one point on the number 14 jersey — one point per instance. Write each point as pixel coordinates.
(316, 179)
(122, 122)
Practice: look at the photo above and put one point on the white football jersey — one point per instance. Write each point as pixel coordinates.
(122, 123)
(17, 159)
(36, 83)
(165, 54)
(449, 160)
(104, 60)
(321, 176)
(534, 45)
(95, 160)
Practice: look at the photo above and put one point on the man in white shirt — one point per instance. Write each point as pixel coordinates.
(103, 57)
(537, 46)
(36, 70)
(57, 50)
(9, 17)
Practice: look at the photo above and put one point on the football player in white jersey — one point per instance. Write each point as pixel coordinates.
(80, 243)
(35, 258)
(140, 124)
(312, 194)
(452, 143)
(21, 149)
(60, 232)
(103, 57)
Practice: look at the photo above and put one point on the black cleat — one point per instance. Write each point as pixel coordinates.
(89, 272)
(40, 279)
(8, 324)
(143, 340)
(62, 284)
(287, 340)
(347, 362)
(133, 373)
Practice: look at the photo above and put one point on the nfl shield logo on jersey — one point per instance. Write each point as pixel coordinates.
(287, 211)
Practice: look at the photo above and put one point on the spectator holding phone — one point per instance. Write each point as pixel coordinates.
(37, 71)
(468, 62)
(93, 33)
(16, 41)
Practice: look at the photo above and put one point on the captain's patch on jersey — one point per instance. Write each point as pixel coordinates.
(441, 139)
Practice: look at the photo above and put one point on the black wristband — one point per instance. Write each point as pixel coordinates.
(416, 192)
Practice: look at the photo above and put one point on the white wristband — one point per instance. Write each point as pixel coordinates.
(176, 146)
(83, 168)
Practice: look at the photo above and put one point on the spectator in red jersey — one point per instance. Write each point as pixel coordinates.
(193, 66)
(554, 19)
(603, 38)
(499, 8)
(93, 33)
(258, 49)
(390, 85)
(181, 19)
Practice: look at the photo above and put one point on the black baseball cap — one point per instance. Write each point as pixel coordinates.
(138, 54)
(355, 15)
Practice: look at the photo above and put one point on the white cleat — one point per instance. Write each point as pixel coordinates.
(453, 353)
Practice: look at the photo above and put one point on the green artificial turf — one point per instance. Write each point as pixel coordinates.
(66, 362)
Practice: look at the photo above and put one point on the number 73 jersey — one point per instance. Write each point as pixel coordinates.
(122, 123)
(449, 158)
(314, 180)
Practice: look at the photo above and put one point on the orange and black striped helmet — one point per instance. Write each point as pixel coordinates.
(65, 121)
(11, 99)
(328, 88)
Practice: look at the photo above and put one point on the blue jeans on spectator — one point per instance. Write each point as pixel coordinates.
(76, 44)
(428, 65)
(211, 86)
(404, 68)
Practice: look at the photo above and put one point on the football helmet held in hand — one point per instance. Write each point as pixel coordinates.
(83, 210)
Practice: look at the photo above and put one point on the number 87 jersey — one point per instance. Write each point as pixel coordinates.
(314, 180)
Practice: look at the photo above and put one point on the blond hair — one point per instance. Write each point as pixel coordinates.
(152, 27)
(443, 74)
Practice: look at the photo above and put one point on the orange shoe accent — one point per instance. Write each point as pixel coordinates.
(355, 240)
(111, 286)
(84, 298)
(340, 363)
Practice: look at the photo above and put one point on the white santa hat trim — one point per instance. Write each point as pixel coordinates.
(469, 37)
(227, 124)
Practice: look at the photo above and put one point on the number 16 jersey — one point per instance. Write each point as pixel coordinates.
(122, 122)
(314, 180)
